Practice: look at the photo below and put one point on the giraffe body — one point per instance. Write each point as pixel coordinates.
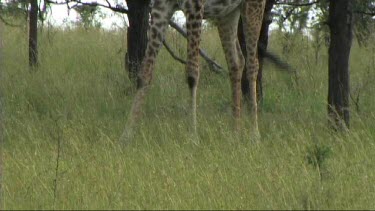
(226, 14)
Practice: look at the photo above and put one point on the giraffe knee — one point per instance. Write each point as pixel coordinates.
(192, 82)
(252, 70)
(140, 83)
(252, 75)
(241, 62)
(143, 80)
(192, 71)
(236, 70)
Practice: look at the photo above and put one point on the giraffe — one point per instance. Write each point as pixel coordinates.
(226, 14)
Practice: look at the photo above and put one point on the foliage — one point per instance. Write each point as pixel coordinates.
(365, 23)
(14, 7)
(293, 17)
(88, 15)
(13, 12)
(318, 155)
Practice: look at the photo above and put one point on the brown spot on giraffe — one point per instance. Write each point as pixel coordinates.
(224, 12)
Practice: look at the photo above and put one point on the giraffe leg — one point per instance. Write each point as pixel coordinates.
(161, 14)
(193, 25)
(228, 34)
(252, 15)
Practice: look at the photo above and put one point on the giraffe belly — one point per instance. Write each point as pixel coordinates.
(214, 9)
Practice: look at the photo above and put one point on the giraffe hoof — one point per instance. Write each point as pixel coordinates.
(127, 136)
(256, 137)
(195, 139)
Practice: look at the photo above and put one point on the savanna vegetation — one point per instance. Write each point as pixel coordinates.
(62, 122)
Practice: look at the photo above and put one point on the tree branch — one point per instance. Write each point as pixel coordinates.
(169, 49)
(298, 4)
(365, 13)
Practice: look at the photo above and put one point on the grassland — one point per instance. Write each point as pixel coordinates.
(75, 106)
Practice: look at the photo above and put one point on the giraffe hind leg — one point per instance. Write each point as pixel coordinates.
(227, 28)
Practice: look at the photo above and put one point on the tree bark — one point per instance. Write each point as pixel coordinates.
(263, 43)
(33, 33)
(341, 31)
(138, 16)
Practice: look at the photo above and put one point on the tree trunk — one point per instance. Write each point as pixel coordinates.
(1, 174)
(1, 120)
(263, 43)
(138, 16)
(1, 154)
(33, 33)
(341, 30)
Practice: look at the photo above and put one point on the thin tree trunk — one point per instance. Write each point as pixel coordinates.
(1, 165)
(138, 16)
(33, 33)
(263, 43)
(1, 120)
(1, 147)
(341, 29)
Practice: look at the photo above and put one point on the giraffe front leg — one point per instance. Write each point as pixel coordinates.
(193, 25)
(161, 14)
(143, 83)
(252, 74)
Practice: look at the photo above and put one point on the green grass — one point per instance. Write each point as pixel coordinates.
(81, 96)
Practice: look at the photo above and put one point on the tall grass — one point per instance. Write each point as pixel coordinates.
(80, 97)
